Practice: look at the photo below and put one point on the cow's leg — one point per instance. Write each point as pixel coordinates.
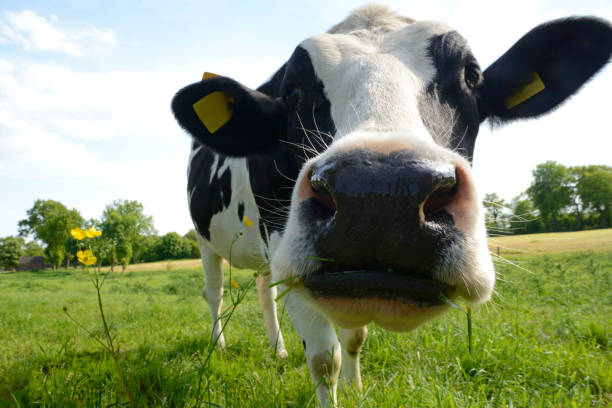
(268, 305)
(351, 341)
(321, 347)
(213, 289)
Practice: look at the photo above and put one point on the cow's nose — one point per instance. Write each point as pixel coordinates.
(380, 206)
(417, 188)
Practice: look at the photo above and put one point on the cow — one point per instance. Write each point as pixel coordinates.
(354, 163)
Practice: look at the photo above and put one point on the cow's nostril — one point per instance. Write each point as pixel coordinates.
(322, 195)
(442, 196)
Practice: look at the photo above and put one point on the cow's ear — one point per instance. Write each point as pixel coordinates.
(544, 68)
(229, 117)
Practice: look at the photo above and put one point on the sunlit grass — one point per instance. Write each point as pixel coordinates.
(544, 340)
(553, 242)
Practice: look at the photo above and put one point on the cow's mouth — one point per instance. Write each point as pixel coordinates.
(383, 284)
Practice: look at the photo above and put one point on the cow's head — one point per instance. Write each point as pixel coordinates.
(384, 220)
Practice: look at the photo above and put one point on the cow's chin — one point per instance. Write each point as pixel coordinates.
(394, 315)
(394, 301)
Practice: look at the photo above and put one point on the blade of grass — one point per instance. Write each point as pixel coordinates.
(282, 281)
(318, 258)
(468, 314)
(284, 292)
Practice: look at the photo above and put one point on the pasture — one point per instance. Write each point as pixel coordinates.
(543, 341)
(552, 243)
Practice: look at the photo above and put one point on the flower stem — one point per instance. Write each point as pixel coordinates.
(111, 346)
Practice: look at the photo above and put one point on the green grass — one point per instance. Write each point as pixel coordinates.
(544, 341)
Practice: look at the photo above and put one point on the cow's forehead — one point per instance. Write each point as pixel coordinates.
(408, 44)
(373, 77)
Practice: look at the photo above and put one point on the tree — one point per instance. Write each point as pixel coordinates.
(577, 203)
(173, 246)
(550, 191)
(194, 249)
(11, 249)
(524, 218)
(191, 234)
(71, 248)
(123, 223)
(192, 242)
(100, 246)
(594, 187)
(50, 222)
(150, 248)
(33, 248)
(145, 251)
(496, 219)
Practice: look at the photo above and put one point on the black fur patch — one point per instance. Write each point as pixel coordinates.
(451, 55)
(273, 174)
(240, 211)
(207, 195)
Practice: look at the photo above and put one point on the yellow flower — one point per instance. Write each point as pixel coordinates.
(247, 222)
(80, 234)
(77, 233)
(92, 233)
(234, 283)
(86, 257)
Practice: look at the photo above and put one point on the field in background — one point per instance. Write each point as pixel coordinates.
(543, 341)
(160, 266)
(552, 243)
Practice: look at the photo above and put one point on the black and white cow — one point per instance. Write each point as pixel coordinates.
(354, 161)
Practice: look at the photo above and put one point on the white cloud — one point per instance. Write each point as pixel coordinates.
(86, 106)
(36, 33)
(102, 35)
(6, 67)
(110, 135)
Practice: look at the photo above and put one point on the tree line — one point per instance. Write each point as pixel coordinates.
(559, 198)
(128, 236)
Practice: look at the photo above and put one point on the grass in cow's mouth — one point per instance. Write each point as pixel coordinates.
(289, 288)
(280, 282)
(320, 258)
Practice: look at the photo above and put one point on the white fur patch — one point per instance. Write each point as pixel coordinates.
(373, 80)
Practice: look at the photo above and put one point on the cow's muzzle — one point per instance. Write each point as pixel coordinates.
(380, 225)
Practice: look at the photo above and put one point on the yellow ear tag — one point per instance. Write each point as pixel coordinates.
(214, 110)
(208, 75)
(534, 87)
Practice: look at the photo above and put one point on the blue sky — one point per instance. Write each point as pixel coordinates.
(85, 88)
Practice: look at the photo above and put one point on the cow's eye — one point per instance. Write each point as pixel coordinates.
(472, 75)
(292, 98)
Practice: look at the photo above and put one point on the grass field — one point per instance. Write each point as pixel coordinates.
(544, 341)
(552, 243)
